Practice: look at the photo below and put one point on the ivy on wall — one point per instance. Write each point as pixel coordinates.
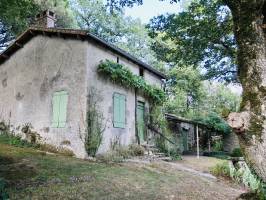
(119, 74)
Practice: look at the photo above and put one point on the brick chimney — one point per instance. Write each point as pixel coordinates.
(45, 19)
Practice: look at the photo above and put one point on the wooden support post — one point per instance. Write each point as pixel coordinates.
(197, 132)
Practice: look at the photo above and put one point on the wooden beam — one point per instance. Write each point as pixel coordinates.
(32, 33)
(4, 56)
(19, 45)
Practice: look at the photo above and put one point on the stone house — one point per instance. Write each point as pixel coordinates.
(46, 76)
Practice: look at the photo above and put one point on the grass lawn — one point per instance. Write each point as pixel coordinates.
(31, 174)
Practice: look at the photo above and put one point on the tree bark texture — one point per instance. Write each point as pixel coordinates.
(250, 124)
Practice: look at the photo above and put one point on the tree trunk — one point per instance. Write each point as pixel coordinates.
(250, 124)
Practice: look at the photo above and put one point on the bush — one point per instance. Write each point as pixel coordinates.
(136, 150)
(221, 169)
(120, 153)
(16, 140)
(110, 157)
(237, 153)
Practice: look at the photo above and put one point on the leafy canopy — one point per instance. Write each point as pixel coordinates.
(124, 32)
(201, 36)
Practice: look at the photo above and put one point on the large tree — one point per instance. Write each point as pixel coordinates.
(200, 36)
(17, 15)
(250, 124)
(116, 28)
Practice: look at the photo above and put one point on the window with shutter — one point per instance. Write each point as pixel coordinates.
(119, 105)
(59, 109)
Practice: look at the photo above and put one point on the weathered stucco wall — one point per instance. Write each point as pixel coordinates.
(49, 64)
(29, 79)
(106, 90)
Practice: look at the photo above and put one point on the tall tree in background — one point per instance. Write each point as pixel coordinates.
(17, 15)
(114, 27)
(201, 36)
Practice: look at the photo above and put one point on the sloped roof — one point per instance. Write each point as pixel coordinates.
(75, 34)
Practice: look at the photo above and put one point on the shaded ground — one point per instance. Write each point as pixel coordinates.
(35, 175)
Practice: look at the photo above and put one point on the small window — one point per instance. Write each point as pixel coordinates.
(119, 105)
(141, 72)
(60, 100)
(117, 59)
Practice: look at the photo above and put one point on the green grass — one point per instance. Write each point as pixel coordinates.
(31, 174)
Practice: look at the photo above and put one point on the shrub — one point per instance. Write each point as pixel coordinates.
(221, 169)
(237, 153)
(110, 157)
(120, 153)
(16, 140)
(136, 150)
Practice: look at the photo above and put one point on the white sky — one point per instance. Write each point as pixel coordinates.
(151, 8)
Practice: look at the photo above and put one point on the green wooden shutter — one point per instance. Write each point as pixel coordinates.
(56, 103)
(62, 109)
(59, 109)
(119, 110)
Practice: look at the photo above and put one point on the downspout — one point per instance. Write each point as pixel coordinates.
(136, 116)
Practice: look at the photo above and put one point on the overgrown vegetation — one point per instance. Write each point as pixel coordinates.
(221, 169)
(165, 141)
(32, 140)
(11, 138)
(95, 123)
(119, 153)
(119, 74)
(240, 174)
(237, 152)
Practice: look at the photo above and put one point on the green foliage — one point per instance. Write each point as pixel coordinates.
(120, 153)
(95, 123)
(237, 153)
(116, 28)
(221, 169)
(123, 76)
(3, 193)
(200, 36)
(136, 150)
(17, 15)
(218, 145)
(16, 140)
(214, 122)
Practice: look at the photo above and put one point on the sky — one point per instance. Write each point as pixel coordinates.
(151, 8)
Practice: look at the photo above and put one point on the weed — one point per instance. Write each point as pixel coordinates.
(221, 169)
(136, 150)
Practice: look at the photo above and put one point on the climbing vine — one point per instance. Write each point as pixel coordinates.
(121, 75)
